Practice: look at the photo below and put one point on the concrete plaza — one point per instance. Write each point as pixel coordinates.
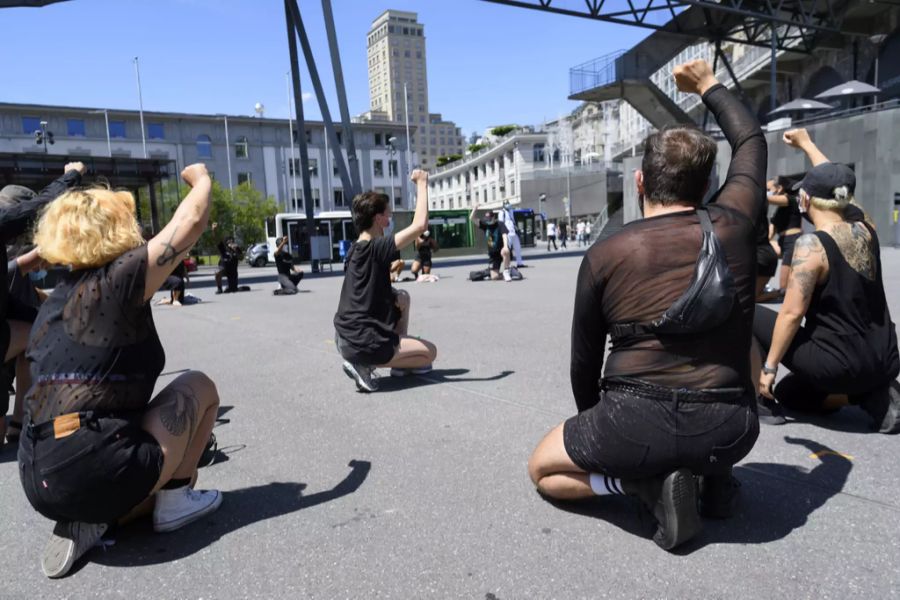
(421, 490)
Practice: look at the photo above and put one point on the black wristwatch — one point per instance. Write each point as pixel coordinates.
(769, 370)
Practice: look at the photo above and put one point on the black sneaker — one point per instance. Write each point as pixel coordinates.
(673, 501)
(719, 495)
(363, 376)
(883, 405)
(770, 412)
(209, 452)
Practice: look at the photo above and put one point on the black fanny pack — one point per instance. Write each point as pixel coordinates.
(706, 303)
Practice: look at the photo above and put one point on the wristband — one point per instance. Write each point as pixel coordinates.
(769, 370)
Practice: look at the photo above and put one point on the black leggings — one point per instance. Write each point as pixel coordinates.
(814, 373)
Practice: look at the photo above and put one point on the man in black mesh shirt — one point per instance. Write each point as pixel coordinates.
(667, 406)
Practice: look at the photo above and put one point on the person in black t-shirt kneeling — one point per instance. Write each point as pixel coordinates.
(370, 327)
(288, 277)
(497, 240)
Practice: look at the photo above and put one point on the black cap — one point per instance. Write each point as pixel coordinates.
(821, 180)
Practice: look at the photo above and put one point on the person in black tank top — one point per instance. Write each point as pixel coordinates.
(425, 246)
(847, 351)
(786, 222)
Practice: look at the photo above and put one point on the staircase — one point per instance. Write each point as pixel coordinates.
(613, 225)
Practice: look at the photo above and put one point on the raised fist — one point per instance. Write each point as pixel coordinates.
(796, 137)
(75, 166)
(418, 175)
(194, 173)
(694, 77)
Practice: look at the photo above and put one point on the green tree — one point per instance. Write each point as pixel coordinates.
(473, 148)
(502, 130)
(445, 160)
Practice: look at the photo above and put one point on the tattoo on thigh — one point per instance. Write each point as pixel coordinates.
(179, 413)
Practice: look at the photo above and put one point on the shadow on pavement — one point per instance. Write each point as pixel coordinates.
(775, 500)
(392, 384)
(138, 545)
(849, 419)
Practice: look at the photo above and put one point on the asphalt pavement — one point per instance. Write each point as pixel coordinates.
(421, 491)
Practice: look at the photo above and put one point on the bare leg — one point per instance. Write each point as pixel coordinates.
(18, 338)
(402, 300)
(23, 383)
(504, 253)
(783, 276)
(412, 353)
(426, 269)
(181, 418)
(554, 473)
(416, 266)
(218, 276)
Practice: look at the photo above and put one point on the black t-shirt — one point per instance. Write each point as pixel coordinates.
(493, 233)
(228, 256)
(364, 316)
(424, 249)
(787, 217)
(94, 345)
(284, 262)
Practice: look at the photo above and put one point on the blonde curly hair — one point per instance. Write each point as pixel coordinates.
(88, 228)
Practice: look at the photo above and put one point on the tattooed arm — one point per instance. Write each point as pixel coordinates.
(170, 245)
(809, 268)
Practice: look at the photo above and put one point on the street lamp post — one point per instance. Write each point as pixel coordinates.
(42, 137)
(541, 200)
(106, 120)
(391, 152)
(877, 40)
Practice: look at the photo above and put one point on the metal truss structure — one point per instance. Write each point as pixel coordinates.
(785, 24)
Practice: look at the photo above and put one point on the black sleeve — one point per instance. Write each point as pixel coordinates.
(589, 330)
(126, 278)
(222, 249)
(745, 185)
(16, 219)
(481, 224)
(503, 228)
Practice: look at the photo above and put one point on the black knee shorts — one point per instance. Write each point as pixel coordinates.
(381, 356)
(766, 260)
(632, 433)
(787, 247)
(495, 259)
(96, 475)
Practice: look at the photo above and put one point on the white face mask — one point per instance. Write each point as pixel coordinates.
(389, 228)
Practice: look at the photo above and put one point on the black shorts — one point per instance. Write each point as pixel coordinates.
(380, 356)
(495, 259)
(425, 262)
(95, 475)
(787, 247)
(766, 260)
(641, 431)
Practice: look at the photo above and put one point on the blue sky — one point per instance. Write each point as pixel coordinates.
(487, 64)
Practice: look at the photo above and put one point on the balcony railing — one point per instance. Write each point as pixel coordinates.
(594, 73)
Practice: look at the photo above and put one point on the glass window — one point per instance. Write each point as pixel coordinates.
(241, 149)
(378, 167)
(338, 197)
(393, 168)
(30, 125)
(244, 178)
(75, 127)
(294, 166)
(406, 31)
(316, 202)
(156, 131)
(538, 153)
(314, 167)
(117, 129)
(377, 139)
(204, 146)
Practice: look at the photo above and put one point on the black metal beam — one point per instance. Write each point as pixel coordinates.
(748, 22)
(301, 129)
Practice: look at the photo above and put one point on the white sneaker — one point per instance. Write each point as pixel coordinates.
(176, 508)
(69, 542)
(421, 370)
(363, 375)
(506, 275)
(399, 372)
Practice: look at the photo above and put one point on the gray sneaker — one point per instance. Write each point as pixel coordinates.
(363, 375)
(69, 541)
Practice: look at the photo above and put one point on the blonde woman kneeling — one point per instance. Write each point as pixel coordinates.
(95, 446)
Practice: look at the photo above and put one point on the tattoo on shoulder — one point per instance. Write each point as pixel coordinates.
(854, 239)
(170, 252)
(807, 248)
